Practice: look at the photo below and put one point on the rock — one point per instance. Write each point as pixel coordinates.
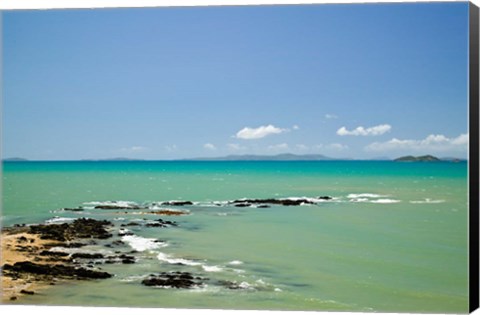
(161, 223)
(232, 285)
(117, 207)
(27, 292)
(167, 212)
(55, 254)
(243, 205)
(130, 224)
(80, 228)
(176, 203)
(13, 298)
(283, 202)
(177, 279)
(325, 198)
(87, 256)
(22, 239)
(56, 270)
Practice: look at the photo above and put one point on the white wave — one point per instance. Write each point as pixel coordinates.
(141, 244)
(385, 201)
(133, 278)
(360, 200)
(59, 219)
(235, 262)
(365, 195)
(169, 259)
(428, 200)
(212, 268)
(117, 203)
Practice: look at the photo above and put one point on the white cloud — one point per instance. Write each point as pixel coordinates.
(209, 146)
(278, 147)
(361, 131)
(248, 133)
(295, 127)
(430, 143)
(331, 116)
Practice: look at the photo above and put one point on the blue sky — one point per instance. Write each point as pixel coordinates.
(355, 81)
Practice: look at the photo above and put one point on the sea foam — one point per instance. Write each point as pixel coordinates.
(141, 244)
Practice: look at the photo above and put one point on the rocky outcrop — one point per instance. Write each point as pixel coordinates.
(55, 270)
(80, 228)
(176, 279)
(282, 202)
(176, 203)
(161, 223)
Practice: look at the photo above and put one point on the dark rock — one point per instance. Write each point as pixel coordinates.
(325, 198)
(155, 225)
(130, 224)
(117, 207)
(176, 203)
(55, 254)
(283, 202)
(161, 223)
(178, 280)
(27, 292)
(56, 270)
(125, 233)
(13, 298)
(243, 205)
(22, 239)
(263, 206)
(232, 285)
(87, 255)
(80, 228)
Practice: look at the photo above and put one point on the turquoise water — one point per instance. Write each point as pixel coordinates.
(394, 238)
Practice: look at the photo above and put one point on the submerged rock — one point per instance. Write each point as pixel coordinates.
(161, 223)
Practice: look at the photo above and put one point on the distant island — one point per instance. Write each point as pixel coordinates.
(423, 158)
(278, 157)
(15, 159)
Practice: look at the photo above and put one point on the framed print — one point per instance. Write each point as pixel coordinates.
(283, 157)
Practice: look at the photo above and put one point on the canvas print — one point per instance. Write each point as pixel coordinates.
(294, 157)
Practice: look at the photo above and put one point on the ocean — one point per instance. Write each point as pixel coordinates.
(392, 238)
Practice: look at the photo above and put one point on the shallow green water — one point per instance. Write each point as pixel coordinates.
(402, 247)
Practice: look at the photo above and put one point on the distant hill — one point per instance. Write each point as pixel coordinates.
(278, 157)
(15, 159)
(423, 158)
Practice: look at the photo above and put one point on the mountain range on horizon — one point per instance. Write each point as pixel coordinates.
(277, 157)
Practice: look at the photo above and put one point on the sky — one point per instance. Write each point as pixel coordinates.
(343, 80)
